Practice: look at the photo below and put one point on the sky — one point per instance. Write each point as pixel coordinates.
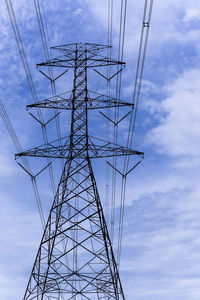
(160, 252)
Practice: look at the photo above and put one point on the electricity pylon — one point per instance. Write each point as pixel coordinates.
(75, 259)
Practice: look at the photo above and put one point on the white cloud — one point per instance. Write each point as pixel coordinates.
(191, 15)
(163, 243)
(178, 132)
(77, 12)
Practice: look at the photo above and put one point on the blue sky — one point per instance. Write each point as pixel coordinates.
(160, 255)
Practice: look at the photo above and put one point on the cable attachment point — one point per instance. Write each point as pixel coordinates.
(145, 24)
(115, 123)
(53, 79)
(33, 177)
(41, 123)
(124, 174)
(108, 79)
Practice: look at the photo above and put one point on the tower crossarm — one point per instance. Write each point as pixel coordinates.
(95, 56)
(88, 46)
(98, 148)
(98, 101)
(66, 62)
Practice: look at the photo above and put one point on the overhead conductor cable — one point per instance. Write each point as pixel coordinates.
(22, 53)
(25, 162)
(136, 95)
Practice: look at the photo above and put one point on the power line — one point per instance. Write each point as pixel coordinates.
(109, 53)
(47, 56)
(22, 53)
(121, 42)
(26, 164)
(136, 95)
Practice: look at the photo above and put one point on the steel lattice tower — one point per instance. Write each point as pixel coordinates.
(75, 259)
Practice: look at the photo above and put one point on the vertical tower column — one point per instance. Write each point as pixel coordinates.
(79, 126)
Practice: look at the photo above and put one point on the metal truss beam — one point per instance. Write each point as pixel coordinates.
(95, 150)
(98, 102)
